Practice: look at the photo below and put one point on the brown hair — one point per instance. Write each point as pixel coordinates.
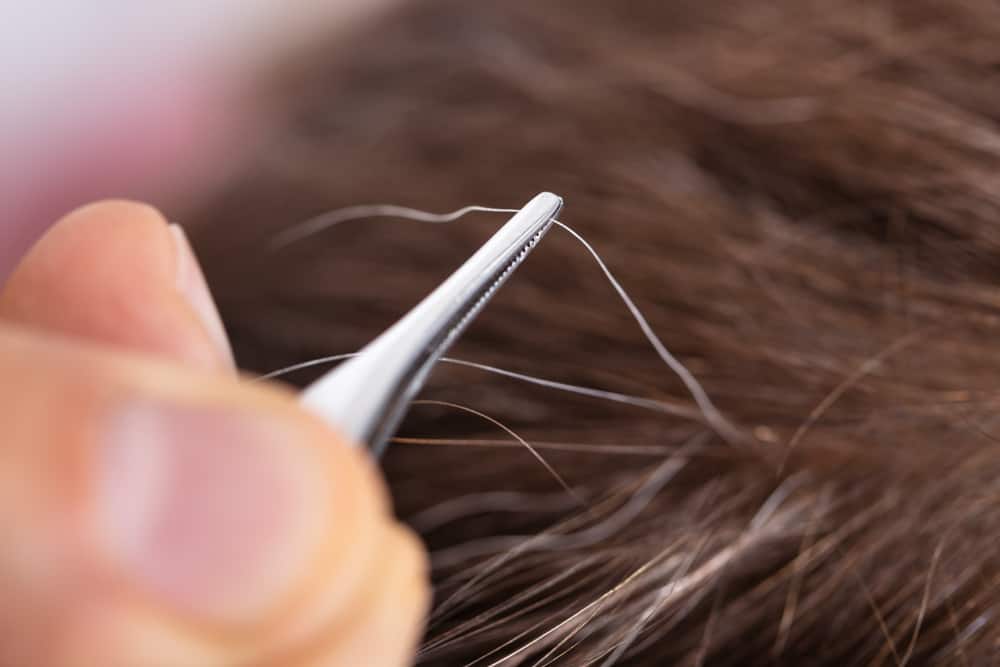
(803, 197)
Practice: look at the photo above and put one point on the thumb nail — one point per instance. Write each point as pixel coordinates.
(191, 283)
(209, 509)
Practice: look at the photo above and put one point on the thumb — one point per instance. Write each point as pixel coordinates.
(154, 516)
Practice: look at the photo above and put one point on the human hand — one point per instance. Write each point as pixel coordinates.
(158, 511)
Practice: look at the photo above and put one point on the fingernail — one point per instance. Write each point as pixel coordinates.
(212, 511)
(191, 283)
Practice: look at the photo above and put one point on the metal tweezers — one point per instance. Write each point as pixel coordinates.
(366, 397)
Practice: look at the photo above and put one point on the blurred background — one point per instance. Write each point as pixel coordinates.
(151, 101)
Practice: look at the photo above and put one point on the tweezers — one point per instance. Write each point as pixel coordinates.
(366, 397)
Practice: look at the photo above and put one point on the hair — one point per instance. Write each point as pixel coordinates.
(804, 200)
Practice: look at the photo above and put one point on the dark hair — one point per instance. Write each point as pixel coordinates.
(804, 199)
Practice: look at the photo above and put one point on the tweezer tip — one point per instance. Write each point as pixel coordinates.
(556, 199)
(546, 204)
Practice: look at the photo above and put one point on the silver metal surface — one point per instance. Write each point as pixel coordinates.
(367, 396)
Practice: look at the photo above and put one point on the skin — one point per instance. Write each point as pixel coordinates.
(268, 541)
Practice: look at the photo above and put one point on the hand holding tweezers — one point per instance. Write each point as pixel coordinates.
(367, 396)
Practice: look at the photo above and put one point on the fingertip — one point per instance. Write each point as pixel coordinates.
(114, 272)
(115, 211)
(86, 233)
